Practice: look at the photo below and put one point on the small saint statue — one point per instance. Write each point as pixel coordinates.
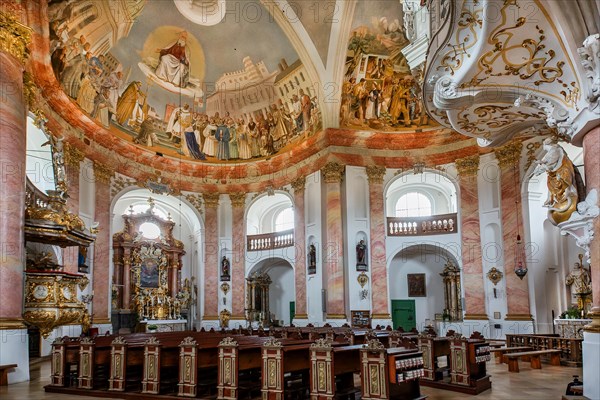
(225, 269)
(312, 259)
(361, 256)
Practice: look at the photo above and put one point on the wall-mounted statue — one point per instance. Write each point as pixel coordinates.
(361, 256)
(565, 186)
(225, 269)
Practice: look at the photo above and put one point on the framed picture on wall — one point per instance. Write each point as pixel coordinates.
(416, 285)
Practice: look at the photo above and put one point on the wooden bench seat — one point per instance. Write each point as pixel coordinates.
(500, 352)
(534, 358)
(4, 373)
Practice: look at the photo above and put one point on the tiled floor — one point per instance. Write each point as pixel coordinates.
(545, 384)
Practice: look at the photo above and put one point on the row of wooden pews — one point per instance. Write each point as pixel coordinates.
(291, 364)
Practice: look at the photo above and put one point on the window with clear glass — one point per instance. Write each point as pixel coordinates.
(149, 230)
(284, 220)
(413, 204)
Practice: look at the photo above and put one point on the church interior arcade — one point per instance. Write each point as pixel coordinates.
(288, 177)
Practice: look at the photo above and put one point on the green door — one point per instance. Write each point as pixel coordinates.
(292, 311)
(403, 314)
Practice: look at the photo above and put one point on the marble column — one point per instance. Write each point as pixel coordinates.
(379, 279)
(13, 111)
(101, 267)
(211, 256)
(73, 158)
(333, 174)
(591, 334)
(472, 264)
(300, 246)
(14, 347)
(238, 257)
(591, 149)
(517, 291)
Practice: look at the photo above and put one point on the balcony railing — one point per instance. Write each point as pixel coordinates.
(418, 226)
(270, 241)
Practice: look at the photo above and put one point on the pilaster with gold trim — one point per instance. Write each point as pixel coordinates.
(188, 368)
(300, 244)
(118, 370)
(211, 255)
(472, 268)
(227, 387)
(379, 278)
(517, 292)
(151, 380)
(238, 203)
(333, 174)
(86, 363)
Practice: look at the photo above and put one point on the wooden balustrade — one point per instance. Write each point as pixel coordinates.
(571, 348)
(270, 241)
(418, 226)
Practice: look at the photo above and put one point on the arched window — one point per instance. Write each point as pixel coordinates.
(413, 204)
(284, 220)
(142, 208)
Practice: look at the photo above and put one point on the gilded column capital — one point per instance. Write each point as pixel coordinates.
(14, 37)
(333, 172)
(73, 156)
(509, 154)
(195, 200)
(103, 173)
(238, 199)
(467, 166)
(299, 184)
(375, 173)
(211, 200)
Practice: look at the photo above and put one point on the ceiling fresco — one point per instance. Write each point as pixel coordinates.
(379, 89)
(193, 79)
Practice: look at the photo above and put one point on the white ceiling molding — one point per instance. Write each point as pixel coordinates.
(497, 70)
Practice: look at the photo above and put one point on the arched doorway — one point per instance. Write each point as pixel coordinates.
(417, 289)
(281, 291)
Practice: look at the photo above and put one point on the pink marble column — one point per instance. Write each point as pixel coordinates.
(379, 278)
(211, 256)
(472, 265)
(334, 241)
(517, 291)
(71, 253)
(591, 149)
(238, 264)
(300, 246)
(101, 267)
(12, 200)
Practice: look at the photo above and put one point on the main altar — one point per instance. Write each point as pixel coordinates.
(147, 284)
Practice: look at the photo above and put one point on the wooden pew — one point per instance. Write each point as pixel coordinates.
(534, 358)
(329, 362)
(4, 373)
(501, 351)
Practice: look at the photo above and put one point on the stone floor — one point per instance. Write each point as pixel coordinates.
(548, 383)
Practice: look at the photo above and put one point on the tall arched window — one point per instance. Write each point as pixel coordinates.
(413, 204)
(284, 220)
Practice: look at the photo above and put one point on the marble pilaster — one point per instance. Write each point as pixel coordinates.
(12, 202)
(517, 292)
(238, 265)
(379, 279)
(472, 265)
(101, 267)
(333, 174)
(300, 244)
(211, 255)
(73, 158)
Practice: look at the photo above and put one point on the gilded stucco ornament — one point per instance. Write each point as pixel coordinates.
(14, 37)
(467, 166)
(589, 56)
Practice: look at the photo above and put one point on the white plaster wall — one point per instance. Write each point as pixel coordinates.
(14, 349)
(356, 214)
(411, 262)
(281, 292)
(313, 212)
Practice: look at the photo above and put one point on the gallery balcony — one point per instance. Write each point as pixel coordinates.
(422, 226)
(270, 241)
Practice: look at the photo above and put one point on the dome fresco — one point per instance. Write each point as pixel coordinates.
(221, 81)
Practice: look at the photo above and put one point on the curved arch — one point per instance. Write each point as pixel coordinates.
(260, 214)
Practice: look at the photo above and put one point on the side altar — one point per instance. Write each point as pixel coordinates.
(147, 275)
